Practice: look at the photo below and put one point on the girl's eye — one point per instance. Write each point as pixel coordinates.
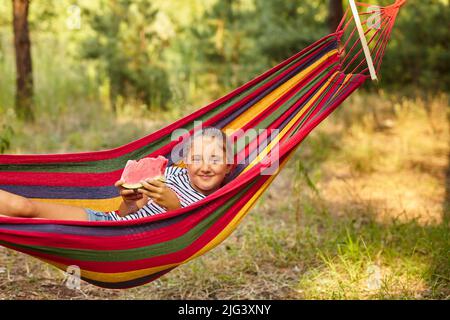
(214, 160)
(217, 160)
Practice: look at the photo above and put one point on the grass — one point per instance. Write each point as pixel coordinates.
(366, 217)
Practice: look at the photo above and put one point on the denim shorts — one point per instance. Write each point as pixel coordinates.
(97, 215)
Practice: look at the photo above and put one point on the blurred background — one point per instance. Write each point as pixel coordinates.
(366, 214)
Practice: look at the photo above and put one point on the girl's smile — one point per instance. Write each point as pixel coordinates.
(205, 164)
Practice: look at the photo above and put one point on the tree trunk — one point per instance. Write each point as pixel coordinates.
(336, 12)
(24, 78)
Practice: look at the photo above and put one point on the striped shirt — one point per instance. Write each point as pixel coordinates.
(178, 180)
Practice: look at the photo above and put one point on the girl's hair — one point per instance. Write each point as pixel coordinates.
(221, 137)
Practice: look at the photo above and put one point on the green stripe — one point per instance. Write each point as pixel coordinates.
(157, 249)
(311, 110)
(338, 93)
(108, 165)
(241, 142)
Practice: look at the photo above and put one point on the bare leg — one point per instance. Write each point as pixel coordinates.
(17, 206)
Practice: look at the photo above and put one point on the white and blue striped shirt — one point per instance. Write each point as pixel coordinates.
(178, 180)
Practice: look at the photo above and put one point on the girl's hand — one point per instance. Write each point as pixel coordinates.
(132, 200)
(161, 194)
(128, 196)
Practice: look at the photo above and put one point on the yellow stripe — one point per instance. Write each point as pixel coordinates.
(108, 204)
(261, 105)
(96, 204)
(130, 275)
(236, 220)
(135, 274)
(264, 103)
(114, 277)
(283, 132)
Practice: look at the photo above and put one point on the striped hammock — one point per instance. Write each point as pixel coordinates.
(290, 99)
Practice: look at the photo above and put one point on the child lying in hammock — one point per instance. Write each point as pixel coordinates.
(204, 154)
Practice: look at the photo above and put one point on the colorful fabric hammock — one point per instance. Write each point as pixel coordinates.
(292, 97)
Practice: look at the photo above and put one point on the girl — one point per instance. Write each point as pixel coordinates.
(207, 158)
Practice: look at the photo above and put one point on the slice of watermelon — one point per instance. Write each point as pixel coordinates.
(146, 168)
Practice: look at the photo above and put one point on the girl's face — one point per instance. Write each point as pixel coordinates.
(206, 164)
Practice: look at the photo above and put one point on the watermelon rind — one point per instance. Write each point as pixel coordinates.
(139, 185)
(132, 185)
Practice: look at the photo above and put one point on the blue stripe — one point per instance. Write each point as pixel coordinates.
(306, 64)
(57, 192)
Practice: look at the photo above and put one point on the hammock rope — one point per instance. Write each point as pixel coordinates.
(289, 100)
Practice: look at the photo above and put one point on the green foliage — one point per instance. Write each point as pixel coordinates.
(5, 18)
(130, 50)
(283, 28)
(6, 134)
(222, 40)
(158, 54)
(418, 53)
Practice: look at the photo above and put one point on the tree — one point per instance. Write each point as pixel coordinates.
(130, 51)
(285, 27)
(219, 37)
(24, 82)
(336, 12)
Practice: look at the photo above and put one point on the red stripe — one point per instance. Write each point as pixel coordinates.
(324, 100)
(122, 242)
(176, 257)
(257, 119)
(122, 150)
(276, 124)
(167, 258)
(109, 178)
(167, 148)
(267, 112)
(304, 131)
(65, 179)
